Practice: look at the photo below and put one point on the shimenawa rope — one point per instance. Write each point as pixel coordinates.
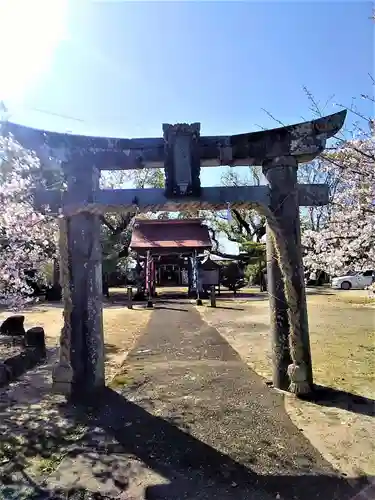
(297, 371)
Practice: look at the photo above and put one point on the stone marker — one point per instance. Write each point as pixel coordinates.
(130, 297)
(35, 337)
(54, 293)
(4, 374)
(13, 326)
(213, 296)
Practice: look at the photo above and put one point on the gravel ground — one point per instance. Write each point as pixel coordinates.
(8, 348)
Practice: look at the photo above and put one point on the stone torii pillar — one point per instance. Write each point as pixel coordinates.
(281, 173)
(80, 370)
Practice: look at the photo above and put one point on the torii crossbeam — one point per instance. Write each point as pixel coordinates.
(302, 142)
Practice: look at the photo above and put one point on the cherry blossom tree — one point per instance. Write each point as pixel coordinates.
(345, 239)
(27, 237)
(340, 237)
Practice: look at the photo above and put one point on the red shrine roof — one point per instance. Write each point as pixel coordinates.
(170, 234)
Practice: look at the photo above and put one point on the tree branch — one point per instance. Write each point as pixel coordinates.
(223, 254)
(104, 221)
(242, 222)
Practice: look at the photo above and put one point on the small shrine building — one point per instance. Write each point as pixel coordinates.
(171, 245)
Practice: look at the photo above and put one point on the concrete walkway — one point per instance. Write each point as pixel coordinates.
(201, 425)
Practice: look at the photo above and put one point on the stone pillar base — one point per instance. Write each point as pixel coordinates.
(62, 378)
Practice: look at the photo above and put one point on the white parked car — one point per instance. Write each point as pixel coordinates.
(360, 281)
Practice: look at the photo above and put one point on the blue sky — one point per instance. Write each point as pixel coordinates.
(123, 68)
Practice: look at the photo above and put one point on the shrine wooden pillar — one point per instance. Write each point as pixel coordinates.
(149, 278)
(190, 276)
(281, 174)
(84, 347)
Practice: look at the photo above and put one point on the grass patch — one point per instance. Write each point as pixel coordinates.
(54, 451)
(45, 466)
(40, 450)
(342, 337)
(120, 381)
(356, 299)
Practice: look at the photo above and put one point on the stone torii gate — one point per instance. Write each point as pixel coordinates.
(182, 152)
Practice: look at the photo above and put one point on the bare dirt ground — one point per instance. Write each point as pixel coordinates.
(342, 335)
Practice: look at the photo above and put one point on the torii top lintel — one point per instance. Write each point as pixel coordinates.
(303, 140)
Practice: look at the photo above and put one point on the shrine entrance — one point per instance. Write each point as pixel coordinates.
(182, 151)
(169, 251)
(169, 274)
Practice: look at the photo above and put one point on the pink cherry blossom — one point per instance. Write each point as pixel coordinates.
(27, 237)
(346, 238)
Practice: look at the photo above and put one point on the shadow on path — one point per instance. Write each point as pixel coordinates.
(334, 398)
(158, 305)
(218, 306)
(196, 470)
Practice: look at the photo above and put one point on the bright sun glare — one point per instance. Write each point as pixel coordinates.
(30, 31)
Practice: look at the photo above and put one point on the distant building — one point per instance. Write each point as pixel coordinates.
(171, 244)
